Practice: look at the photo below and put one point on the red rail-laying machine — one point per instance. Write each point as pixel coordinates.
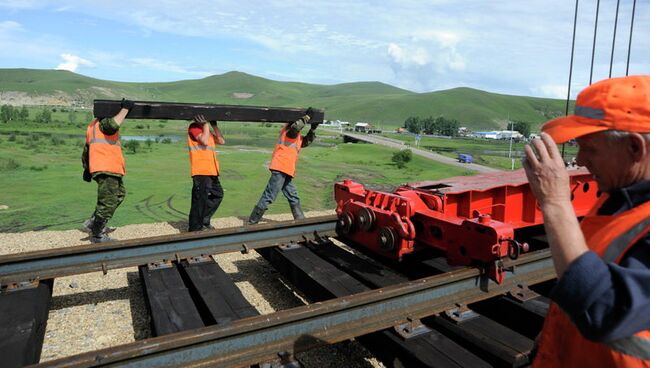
(471, 218)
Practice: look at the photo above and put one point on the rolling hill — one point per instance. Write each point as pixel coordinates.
(379, 103)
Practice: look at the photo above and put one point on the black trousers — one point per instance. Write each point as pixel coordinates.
(207, 195)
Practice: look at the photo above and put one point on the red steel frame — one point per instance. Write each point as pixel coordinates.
(471, 218)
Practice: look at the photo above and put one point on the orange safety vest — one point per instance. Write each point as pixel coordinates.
(561, 344)
(203, 159)
(285, 155)
(105, 151)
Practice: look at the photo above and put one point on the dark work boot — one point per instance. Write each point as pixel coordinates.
(256, 215)
(297, 212)
(97, 231)
(88, 223)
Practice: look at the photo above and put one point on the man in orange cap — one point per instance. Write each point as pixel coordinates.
(601, 311)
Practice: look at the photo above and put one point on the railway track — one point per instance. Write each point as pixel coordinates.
(420, 313)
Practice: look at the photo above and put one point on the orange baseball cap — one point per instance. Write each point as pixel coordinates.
(611, 104)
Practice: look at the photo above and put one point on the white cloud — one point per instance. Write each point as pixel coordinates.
(443, 38)
(407, 57)
(551, 90)
(10, 26)
(72, 62)
(19, 4)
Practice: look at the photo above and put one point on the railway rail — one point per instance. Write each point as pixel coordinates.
(426, 319)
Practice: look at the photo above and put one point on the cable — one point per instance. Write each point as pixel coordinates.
(629, 45)
(593, 47)
(573, 46)
(611, 60)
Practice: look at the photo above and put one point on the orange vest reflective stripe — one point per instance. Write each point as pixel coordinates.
(561, 343)
(285, 155)
(105, 151)
(203, 159)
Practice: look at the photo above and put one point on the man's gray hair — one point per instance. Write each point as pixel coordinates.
(615, 136)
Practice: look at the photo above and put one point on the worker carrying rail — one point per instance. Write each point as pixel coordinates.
(283, 167)
(601, 311)
(207, 192)
(103, 162)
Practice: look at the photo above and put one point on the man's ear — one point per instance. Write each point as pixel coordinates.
(638, 147)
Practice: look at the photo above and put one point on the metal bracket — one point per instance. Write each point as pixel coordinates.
(522, 293)
(200, 259)
(289, 246)
(152, 266)
(17, 286)
(461, 314)
(412, 328)
(245, 249)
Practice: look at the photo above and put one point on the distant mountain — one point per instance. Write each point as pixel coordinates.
(374, 102)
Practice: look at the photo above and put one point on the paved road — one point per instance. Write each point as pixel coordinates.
(394, 143)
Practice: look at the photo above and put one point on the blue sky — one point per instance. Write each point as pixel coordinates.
(510, 46)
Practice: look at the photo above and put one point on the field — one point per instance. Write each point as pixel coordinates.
(40, 174)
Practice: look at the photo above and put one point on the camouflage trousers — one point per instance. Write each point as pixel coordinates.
(110, 194)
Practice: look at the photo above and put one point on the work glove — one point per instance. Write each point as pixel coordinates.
(200, 119)
(310, 112)
(126, 104)
(213, 123)
(314, 126)
(87, 176)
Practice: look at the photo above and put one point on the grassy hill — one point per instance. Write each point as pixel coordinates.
(379, 103)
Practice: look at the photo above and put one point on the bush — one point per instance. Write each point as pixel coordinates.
(132, 146)
(139, 126)
(8, 164)
(402, 157)
(166, 140)
(38, 168)
(44, 117)
(148, 142)
(57, 141)
(12, 137)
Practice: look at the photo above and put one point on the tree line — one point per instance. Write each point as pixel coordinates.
(449, 127)
(9, 113)
(431, 125)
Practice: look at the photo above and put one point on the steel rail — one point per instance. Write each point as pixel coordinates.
(251, 340)
(103, 257)
(184, 111)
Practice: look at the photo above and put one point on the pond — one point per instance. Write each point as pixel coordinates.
(144, 138)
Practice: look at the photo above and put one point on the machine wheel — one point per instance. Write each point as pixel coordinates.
(387, 239)
(344, 224)
(365, 218)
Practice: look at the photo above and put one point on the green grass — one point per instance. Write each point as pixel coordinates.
(42, 186)
(378, 103)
